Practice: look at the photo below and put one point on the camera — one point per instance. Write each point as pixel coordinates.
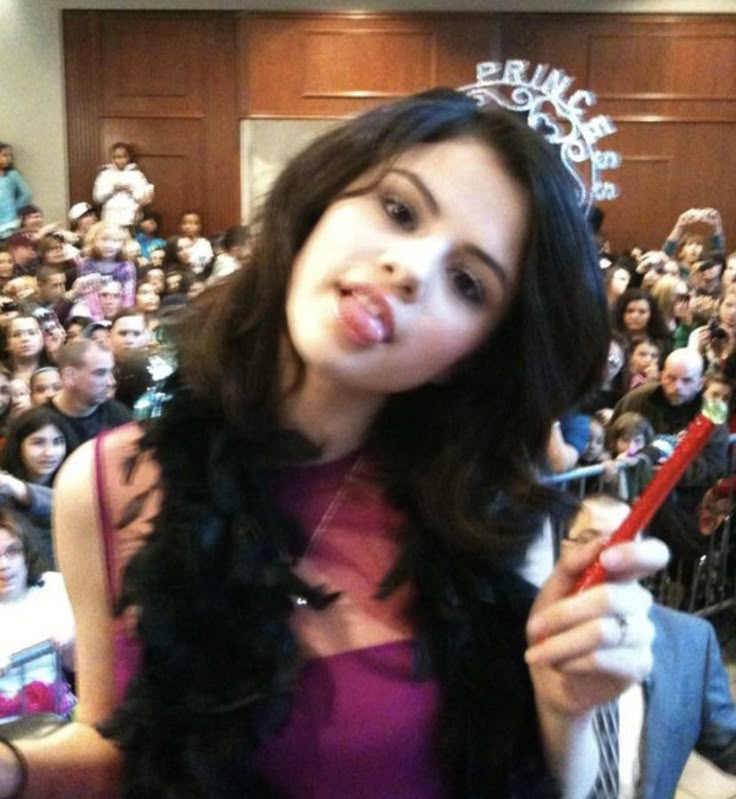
(716, 332)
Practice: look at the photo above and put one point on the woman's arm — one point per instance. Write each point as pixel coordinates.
(77, 761)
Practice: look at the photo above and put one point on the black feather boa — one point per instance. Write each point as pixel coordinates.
(213, 589)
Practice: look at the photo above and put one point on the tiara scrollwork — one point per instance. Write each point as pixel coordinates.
(559, 114)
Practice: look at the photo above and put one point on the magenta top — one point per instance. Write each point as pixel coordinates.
(361, 726)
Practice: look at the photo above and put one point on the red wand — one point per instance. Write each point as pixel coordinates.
(696, 435)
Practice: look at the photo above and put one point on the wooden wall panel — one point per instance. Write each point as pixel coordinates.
(669, 82)
(156, 69)
(310, 65)
(166, 83)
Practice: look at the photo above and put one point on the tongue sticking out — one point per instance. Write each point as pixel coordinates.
(363, 320)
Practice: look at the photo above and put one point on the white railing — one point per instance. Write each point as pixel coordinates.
(704, 587)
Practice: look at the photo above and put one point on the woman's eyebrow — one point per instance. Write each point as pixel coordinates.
(429, 198)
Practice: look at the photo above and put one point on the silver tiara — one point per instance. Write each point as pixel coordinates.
(543, 94)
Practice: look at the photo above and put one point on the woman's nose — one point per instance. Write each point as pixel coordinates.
(408, 267)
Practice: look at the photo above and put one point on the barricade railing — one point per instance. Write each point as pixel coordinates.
(703, 587)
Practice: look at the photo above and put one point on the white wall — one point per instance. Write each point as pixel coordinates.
(32, 114)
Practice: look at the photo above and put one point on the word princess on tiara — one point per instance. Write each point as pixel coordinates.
(543, 95)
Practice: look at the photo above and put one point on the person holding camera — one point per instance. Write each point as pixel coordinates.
(716, 341)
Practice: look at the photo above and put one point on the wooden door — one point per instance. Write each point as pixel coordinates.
(164, 83)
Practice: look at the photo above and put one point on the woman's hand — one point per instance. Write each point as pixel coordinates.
(588, 648)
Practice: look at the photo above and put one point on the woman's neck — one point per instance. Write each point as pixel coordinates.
(333, 417)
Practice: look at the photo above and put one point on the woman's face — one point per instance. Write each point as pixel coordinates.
(643, 356)
(594, 447)
(157, 279)
(46, 384)
(42, 452)
(691, 251)
(619, 282)
(55, 254)
(727, 311)
(13, 568)
(25, 339)
(6, 265)
(636, 316)
(400, 281)
(20, 396)
(630, 445)
(728, 276)
(146, 298)
(4, 394)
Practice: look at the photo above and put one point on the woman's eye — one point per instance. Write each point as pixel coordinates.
(467, 286)
(400, 213)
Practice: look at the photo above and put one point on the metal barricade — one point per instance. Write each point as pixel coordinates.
(705, 587)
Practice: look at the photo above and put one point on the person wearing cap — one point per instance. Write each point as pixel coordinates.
(14, 192)
(81, 218)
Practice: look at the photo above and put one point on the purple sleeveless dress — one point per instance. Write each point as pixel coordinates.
(362, 726)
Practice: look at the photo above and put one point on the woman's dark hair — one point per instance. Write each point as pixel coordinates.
(458, 459)
(121, 145)
(533, 365)
(11, 166)
(235, 236)
(171, 252)
(22, 529)
(656, 328)
(24, 425)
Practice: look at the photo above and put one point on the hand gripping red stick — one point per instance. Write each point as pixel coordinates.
(696, 435)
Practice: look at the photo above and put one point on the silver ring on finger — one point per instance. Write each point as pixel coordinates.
(623, 628)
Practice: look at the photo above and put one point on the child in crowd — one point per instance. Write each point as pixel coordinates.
(626, 437)
(235, 245)
(595, 449)
(105, 248)
(81, 218)
(121, 188)
(200, 252)
(643, 365)
(147, 233)
(14, 192)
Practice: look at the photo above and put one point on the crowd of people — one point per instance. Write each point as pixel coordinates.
(84, 305)
(672, 347)
(329, 524)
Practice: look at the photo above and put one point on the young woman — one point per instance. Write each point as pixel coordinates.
(34, 608)
(362, 409)
(34, 450)
(636, 314)
(25, 344)
(716, 341)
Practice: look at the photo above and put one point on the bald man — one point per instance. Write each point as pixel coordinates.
(670, 406)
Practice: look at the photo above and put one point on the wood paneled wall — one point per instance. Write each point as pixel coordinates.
(165, 83)
(176, 83)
